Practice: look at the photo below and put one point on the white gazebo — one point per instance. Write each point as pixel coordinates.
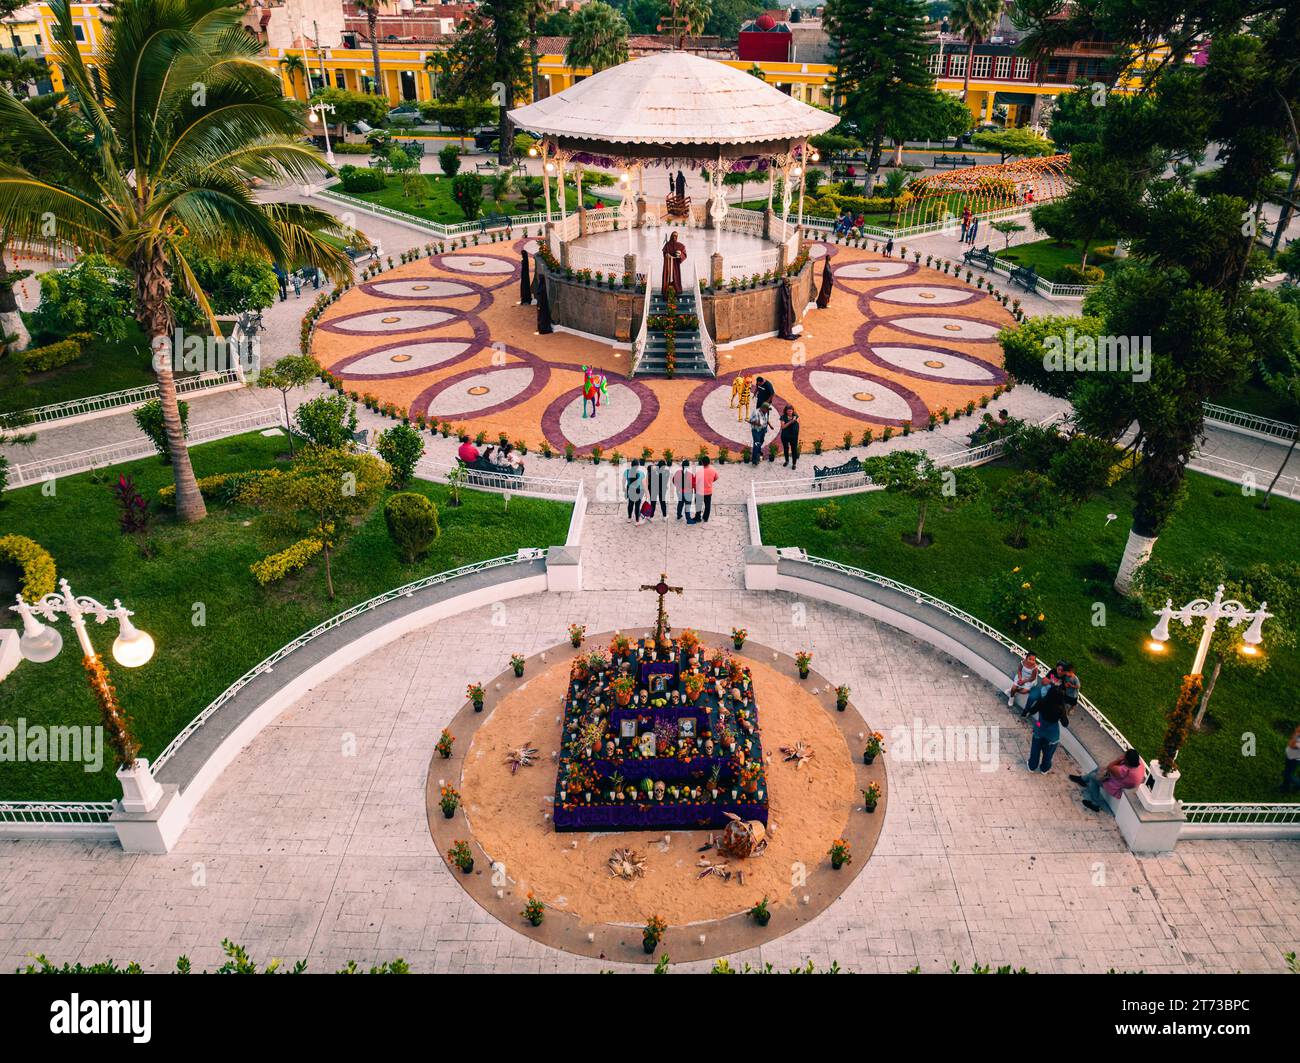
(681, 112)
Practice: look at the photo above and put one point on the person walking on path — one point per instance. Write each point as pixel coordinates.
(790, 437)
(760, 421)
(764, 392)
(656, 489)
(684, 483)
(705, 478)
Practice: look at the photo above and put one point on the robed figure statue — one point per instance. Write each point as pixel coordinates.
(674, 255)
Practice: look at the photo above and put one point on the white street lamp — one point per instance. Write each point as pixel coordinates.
(40, 643)
(1211, 611)
(317, 112)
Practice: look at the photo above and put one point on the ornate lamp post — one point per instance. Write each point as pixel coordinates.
(1209, 612)
(318, 111)
(40, 643)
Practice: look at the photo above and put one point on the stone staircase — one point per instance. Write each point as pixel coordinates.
(689, 351)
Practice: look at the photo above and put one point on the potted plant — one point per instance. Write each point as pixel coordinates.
(760, 913)
(803, 659)
(624, 686)
(444, 745)
(841, 698)
(517, 663)
(449, 799)
(750, 774)
(620, 645)
(461, 857)
(839, 853)
(577, 632)
(534, 911)
(738, 636)
(693, 683)
(875, 746)
(653, 933)
(474, 691)
(871, 796)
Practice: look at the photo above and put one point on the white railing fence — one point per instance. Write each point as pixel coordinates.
(1235, 472)
(55, 813)
(638, 345)
(692, 284)
(134, 449)
(552, 487)
(605, 262)
(1222, 812)
(1250, 422)
(128, 398)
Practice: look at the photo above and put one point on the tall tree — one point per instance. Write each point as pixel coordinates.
(534, 12)
(488, 55)
(371, 9)
(599, 38)
(881, 68)
(173, 163)
(973, 20)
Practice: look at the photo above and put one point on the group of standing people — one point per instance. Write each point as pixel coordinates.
(969, 226)
(647, 487)
(1049, 700)
(760, 421)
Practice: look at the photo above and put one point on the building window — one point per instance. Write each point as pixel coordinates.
(1022, 68)
(340, 80)
(979, 68)
(1002, 67)
(957, 66)
(934, 61)
(79, 33)
(407, 79)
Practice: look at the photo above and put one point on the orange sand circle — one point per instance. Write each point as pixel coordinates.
(809, 808)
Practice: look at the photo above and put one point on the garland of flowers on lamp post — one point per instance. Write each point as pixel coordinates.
(132, 648)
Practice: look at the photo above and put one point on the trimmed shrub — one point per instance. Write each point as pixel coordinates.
(1071, 274)
(34, 563)
(223, 487)
(51, 356)
(400, 446)
(327, 420)
(149, 418)
(360, 179)
(291, 559)
(412, 524)
(449, 160)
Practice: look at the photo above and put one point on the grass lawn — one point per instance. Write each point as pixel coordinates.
(438, 204)
(207, 563)
(1047, 256)
(1072, 566)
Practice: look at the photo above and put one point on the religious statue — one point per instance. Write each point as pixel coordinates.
(674, 256)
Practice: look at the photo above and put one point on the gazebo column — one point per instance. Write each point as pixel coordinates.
(767, 213)
(803, 178)
(564, 208)
(582, 210)
(546, 182)
(715, 269)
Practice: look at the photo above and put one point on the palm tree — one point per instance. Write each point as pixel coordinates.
(534, 11)
(973, 20)
(370, 8)
(693, 16)
(190, 120)
(598, 38)
(293, 65)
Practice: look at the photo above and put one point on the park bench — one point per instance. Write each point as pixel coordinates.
(984, 258)
(413, 147)
(953, 160)
(493, 221)
(849, 468)
(489, 474)
(1026, 276)
(485, 167)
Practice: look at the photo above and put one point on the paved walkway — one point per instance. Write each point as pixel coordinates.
(301, 851)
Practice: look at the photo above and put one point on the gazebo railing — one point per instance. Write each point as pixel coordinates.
(597, 261)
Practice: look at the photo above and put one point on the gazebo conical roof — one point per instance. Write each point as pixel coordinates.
(673, 103)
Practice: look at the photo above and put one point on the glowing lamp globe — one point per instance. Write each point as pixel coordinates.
(132, 647)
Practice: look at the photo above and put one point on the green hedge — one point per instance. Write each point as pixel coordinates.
(33, 561)
(53, 355)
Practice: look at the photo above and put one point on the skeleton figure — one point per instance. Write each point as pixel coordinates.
(799, 753)
(707, 869)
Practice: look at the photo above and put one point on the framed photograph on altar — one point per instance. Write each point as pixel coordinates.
(657, 683)
(627, 728)
(686, 726)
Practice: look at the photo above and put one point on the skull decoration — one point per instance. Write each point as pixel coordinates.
(708, 746)
(659, 790)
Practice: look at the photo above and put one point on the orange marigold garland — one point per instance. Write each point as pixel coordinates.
(116, 722)
(1180, 722)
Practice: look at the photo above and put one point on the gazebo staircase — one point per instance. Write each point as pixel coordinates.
(689, 356)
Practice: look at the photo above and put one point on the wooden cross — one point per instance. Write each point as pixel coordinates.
(661, 619)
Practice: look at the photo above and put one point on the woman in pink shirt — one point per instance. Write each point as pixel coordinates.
(1123, 773)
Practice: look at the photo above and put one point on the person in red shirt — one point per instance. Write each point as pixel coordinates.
(467, 452)
(705, 477)
(1123, 773)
